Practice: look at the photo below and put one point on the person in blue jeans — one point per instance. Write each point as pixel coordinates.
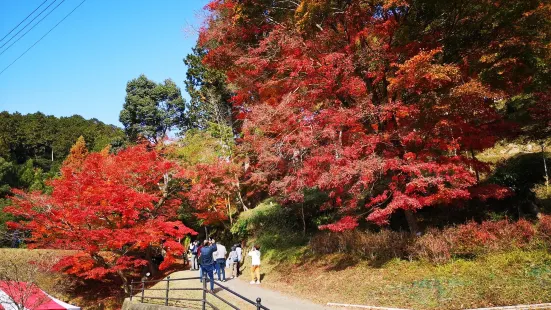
(207, 262)
(220, 264)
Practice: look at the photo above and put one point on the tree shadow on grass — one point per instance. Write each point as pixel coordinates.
(342, 263)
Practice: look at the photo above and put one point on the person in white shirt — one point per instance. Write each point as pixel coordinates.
(239, 253)
(220, 257)
(232, 259)
(255, 264)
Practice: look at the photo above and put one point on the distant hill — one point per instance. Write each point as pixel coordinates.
(47, 139)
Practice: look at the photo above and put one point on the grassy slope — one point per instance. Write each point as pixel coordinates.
(505, 278)
(58, 285)
(19, 258)
(518, 277)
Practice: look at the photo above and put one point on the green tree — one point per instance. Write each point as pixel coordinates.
(205, 146)
(210, 95)
(150, 110)
(7, 176)
(48, 139)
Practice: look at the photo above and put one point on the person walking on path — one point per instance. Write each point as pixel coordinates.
(232, 257)
(220, 257)
(239, 253)
(255, 264)
(199, 247)
(207, 262)
(193, 250)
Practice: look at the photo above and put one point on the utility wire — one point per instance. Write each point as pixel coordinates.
(7, 48)
(23, 20)
(35, 43)
(28, 24)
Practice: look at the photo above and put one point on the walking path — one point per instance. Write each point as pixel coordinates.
(271, 299)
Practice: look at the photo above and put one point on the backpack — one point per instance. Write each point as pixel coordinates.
(233, 256)
(194, 250)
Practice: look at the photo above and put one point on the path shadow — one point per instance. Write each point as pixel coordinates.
(218, 289)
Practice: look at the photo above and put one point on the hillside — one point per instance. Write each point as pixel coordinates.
(495, 263)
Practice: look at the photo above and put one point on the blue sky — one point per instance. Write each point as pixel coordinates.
(83, 65)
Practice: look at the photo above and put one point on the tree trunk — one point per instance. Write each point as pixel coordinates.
(124, 282)
(545, 169)
(239, 194)
(303, 220)
(534, 209)
(149, 259)
(229, 211)
(475, 168)
(412, 222)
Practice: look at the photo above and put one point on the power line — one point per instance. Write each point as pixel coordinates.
(35, 43)
(23, 20)
(27, 24)
(7, 48)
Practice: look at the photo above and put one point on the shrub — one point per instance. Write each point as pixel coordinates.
(437, 246)
(432, 247)
(544, 228)
(469, 239)
(267, 215)
(383, 245)
(523, 232)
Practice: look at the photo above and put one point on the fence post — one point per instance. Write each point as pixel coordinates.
(131, 286)
(143, 289)
(258, 303)
(167, 289)
(204, 290)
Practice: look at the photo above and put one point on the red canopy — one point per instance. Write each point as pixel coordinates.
(30, 296)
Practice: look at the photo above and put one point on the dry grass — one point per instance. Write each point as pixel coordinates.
(436, 246)
(86, 294)
(517, 277)
(33, 266)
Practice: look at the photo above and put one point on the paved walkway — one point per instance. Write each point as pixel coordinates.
(271, 299)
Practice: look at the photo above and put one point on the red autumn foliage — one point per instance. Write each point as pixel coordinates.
(213, 190)
(348, 104)
(110, 210)
(544, 227)
(346, 223)
(437, 246)
(487, 236)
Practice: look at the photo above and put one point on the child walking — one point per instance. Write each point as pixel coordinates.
(232, 258)
(255, 264)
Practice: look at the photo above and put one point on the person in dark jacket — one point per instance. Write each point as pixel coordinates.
(193, 249)
(199, 246)
(207, 261)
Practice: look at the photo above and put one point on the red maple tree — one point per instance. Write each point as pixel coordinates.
(380, 104)
(214, 191)
(112, 210)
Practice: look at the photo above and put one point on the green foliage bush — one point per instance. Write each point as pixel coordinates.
(521, 172)
(267, 215)
(272, 226)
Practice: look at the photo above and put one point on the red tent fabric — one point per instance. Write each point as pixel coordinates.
(30, 296)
